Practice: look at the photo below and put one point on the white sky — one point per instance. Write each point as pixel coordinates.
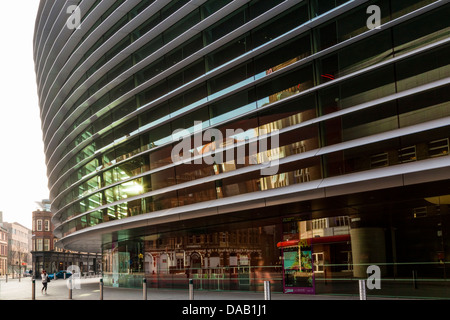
(23, 177)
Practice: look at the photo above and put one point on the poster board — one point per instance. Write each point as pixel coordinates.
(298, 276)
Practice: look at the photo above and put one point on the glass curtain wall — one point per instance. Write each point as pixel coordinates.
(405, 235)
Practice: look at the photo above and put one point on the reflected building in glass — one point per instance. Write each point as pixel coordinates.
(356, 122)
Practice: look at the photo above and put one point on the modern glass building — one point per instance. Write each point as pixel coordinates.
(329, 159)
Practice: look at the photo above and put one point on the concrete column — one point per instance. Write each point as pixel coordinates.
(368, 248)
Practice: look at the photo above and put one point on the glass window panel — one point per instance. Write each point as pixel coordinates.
(134, 207)
(161, 157)
(283, 23)
(171, 8)
(426, 106)
(105, 139)
(359, 124)
(109, 157)
(112, 194)
(285, 85)
(192, 45)
(362, 158)
(164, 178)
(284, 55)
(225, 26)
(199, 193)
(293, 173)
(193, 71)
(157, 136)
(100, 103)
(428, 27)
(100, 62)
(124, 109)
(367, 87)
(192, 171)
(161, 201)
(151, 71)
(110, 176)
(212, 6)
(128, 149)
(230, 79)
(183, 102)
(148, 49)
(125, 129)
(258, 7)
(423, 68)
(154, 116)
(122, 88)
(370, 121)
(152, 93)
(232, 106)
(181, 26)
(189, 120)
(319, 7)
(132, 188)
(147, 25)
(94, 201)
(140, 7)
(402, 7)
(365, 53)
(118, 48)
(132, 168)
(325, 36)
(290, 113)
(228, 52)
(119, 69)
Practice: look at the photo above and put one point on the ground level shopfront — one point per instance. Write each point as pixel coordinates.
(54, 261)
(320, 246)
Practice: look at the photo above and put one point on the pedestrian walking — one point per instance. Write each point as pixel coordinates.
(45, 280)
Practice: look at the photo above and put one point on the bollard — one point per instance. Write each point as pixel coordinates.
(267, 290)
(101, 289)
(33, 289)
(54, 276)
(191, 289)
(6, 278)
(362, 290)
(144, 289)
(70, 289)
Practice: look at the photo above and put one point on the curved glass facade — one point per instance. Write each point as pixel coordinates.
(341, 113)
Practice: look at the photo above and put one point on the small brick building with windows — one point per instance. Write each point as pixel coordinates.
(46, 256)
(3, 249)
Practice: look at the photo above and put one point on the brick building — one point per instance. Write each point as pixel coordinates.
(3, 247)
(46, 255)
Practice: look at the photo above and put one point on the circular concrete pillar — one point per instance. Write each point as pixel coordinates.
(368, 248)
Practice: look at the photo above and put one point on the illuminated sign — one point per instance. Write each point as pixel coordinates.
(298, 274)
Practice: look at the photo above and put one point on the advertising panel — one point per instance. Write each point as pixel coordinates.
(298, 276)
